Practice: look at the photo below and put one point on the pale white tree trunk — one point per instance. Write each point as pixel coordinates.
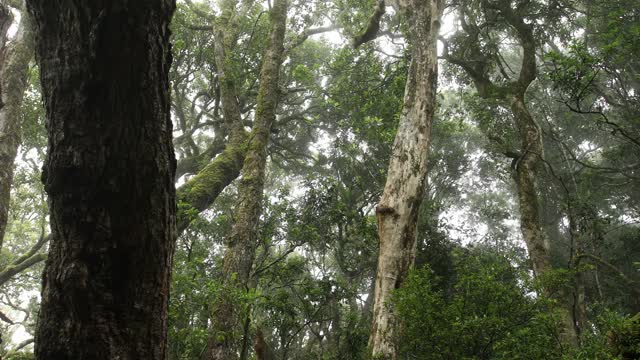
(398, 208)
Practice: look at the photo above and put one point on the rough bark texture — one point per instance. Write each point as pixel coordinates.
(14, 69)
(109, 176)
(242, 242)
(398, 208)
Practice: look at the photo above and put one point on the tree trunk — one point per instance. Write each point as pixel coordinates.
(528, 159)
(397, 210)
(579, 311)
(13, 82)
(201, 191)
(109, 175)
(525, 176)
(242, 242)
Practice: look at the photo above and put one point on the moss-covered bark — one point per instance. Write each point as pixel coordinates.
(242, 242)
(201, 191)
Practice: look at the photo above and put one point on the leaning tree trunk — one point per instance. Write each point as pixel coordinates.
(526, 173)
(109, 176)
(14, 71)
(397, 210)
(242, 243)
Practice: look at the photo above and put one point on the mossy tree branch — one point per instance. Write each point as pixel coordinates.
(373, 27)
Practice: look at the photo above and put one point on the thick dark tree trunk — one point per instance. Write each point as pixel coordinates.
(109, 176)
(242, 243)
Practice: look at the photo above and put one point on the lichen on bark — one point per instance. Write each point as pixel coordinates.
(243, 240)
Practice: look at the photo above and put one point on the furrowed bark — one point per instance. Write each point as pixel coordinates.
(14, 69)
(109, 175)
(398, 208)
(242, 242)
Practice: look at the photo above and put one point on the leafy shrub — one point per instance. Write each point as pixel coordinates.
(487, 312)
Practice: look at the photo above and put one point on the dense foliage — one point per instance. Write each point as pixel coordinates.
(472, 293)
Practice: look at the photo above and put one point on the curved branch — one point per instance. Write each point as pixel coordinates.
(5, 318)
(371, 32)
(202, 190)
(12, 270)
(34, 249)
(199, 12)
(300, 39)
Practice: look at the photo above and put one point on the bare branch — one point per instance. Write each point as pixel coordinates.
(5, 318)
(309, 32)
(19, 347)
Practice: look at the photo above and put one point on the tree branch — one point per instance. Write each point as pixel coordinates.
(199, 12)
(37, 246)
(19, 347)
(307, 33)
(5, 318)
(12, 270)
(371, 32)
